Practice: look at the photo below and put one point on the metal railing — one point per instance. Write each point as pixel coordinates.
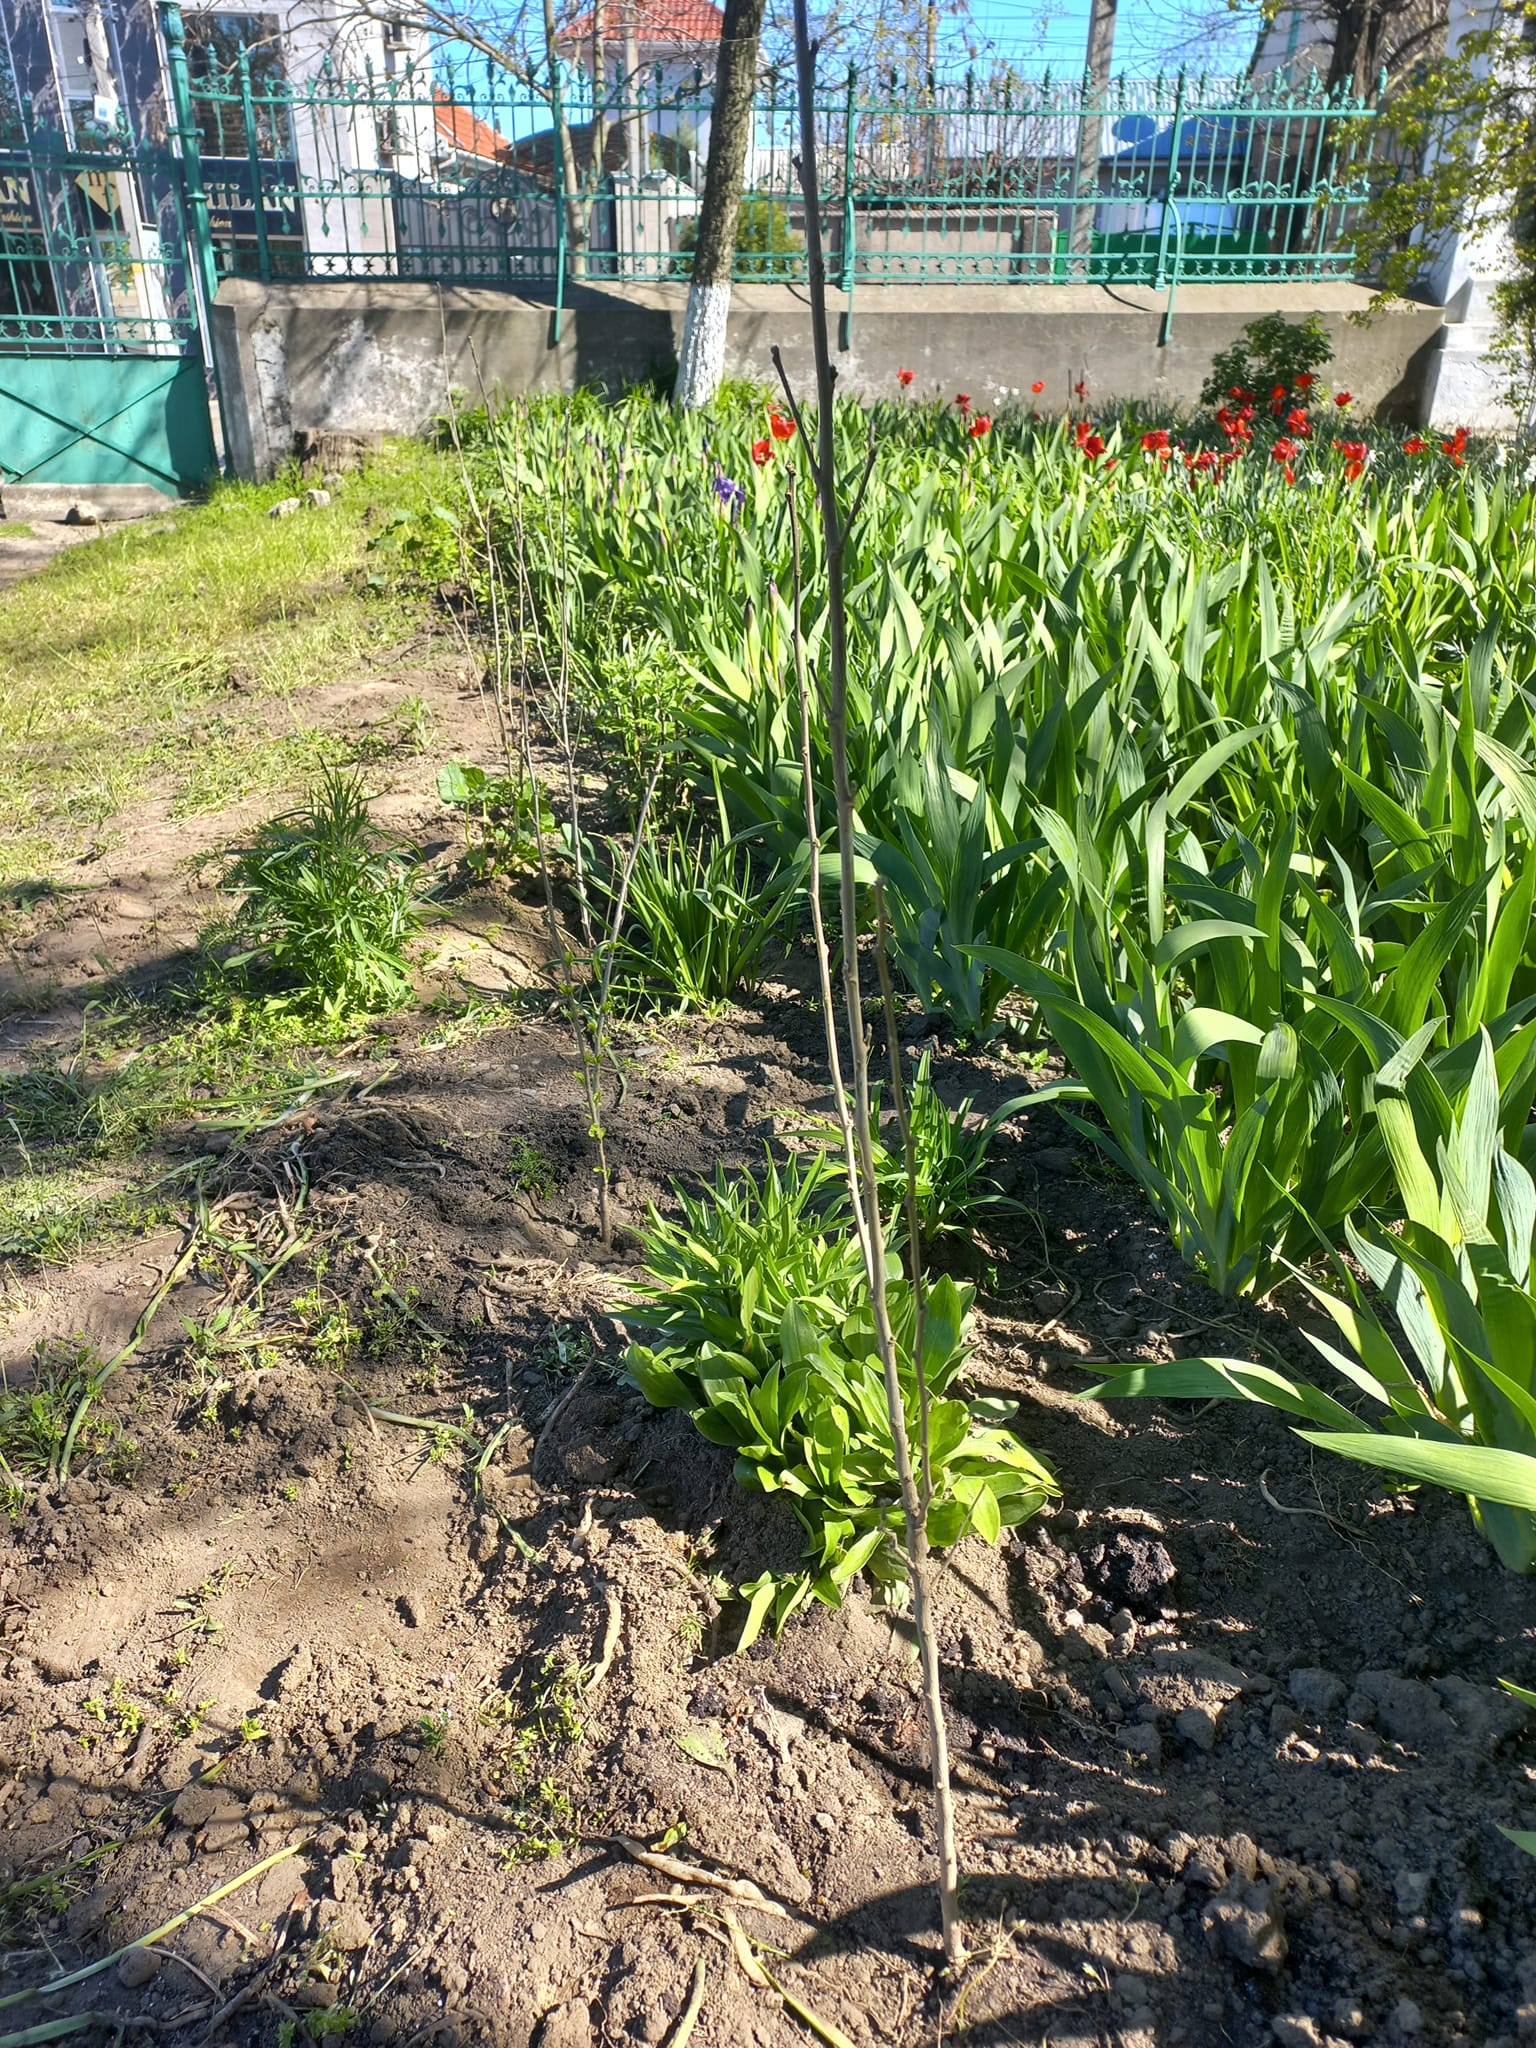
(462, 175)
(92, 259)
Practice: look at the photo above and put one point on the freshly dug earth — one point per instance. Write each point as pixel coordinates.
(1230, 1749)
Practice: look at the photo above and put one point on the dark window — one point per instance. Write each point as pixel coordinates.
(214, 43)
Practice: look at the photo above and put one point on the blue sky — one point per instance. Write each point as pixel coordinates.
(1149, 33)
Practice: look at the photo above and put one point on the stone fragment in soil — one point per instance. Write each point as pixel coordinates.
(1407, 1710)
(137, 1967)
(1197, 1725)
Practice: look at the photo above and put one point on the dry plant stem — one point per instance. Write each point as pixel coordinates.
(865, 1192)
(562, 697)
(682, 2033)
(156, 1934)
(589, 1020)
(909, 1155)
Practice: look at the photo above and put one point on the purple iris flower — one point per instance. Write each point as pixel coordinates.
(731, 494)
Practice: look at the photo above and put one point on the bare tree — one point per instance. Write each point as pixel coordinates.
(523, 42)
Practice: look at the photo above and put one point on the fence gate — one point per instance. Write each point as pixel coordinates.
(102, 377)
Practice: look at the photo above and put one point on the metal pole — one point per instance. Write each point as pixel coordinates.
(1173, 283)
(203, 278)
(253, 152)
(1175, 143)
(845, 279)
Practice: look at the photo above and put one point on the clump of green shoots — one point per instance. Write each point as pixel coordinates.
(702, 929)
(328, 903)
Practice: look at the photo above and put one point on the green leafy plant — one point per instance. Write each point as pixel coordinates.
(499, 817)
(36, 1419)
(329, 902)
(760, 1300)
(766, 244)
(703, 929)
(1272, 350)
(745, 1252)
(529, 1171)
(812, 1423)
(951, 1181)
(1457, 1396)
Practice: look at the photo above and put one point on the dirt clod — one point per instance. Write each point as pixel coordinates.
(137, 1967)
(1251, 1930)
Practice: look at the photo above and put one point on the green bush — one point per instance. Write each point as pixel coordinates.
(766, 244)
(1273, 350)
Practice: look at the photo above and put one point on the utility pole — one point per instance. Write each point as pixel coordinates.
(701, 359)
(1101, 57)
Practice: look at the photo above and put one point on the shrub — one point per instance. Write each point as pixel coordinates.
(1273, 350)
(766, 244)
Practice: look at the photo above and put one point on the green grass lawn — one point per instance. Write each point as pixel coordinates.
(119, 661)
(141, 666)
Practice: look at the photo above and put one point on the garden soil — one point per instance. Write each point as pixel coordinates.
(377, 1717)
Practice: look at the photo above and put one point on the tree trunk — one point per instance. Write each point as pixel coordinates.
(599, 94)
(570, 177)
(635, 119)
(1101, 57)
(701, 360)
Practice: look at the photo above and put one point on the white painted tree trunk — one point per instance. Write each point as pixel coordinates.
(701, 359)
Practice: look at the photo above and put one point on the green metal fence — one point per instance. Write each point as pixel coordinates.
(459, 174)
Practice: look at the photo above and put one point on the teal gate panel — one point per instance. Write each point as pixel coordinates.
(95, 420)
(104, 256)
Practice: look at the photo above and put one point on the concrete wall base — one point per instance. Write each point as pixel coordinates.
(1465, 387)
(381, 358)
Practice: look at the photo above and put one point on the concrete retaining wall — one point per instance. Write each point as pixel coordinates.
(304, 359)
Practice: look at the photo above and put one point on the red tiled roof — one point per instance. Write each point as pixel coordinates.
(469, 135)
(656, 22)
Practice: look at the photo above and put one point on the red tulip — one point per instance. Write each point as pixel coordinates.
(781, 428)
(963, 401)
(904, 377)
(982, 424)
(1038, 386)
(762, 451)
(1342, 398)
